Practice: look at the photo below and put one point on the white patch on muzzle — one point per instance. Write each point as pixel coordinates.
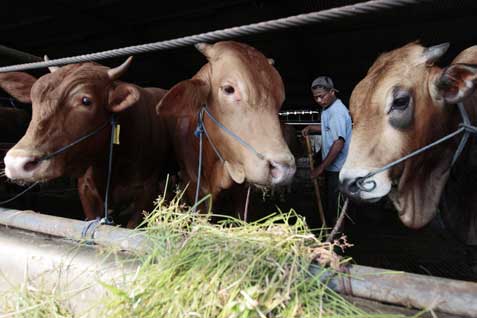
(20, 167)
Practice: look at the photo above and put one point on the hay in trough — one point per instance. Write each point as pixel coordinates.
(228, 269)
(196, 268)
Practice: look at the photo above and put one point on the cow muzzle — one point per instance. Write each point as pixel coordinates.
(282, 172)
(354, 184)
(22, 167)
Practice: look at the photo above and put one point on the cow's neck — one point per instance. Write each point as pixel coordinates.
(142, 141)
(214, 176)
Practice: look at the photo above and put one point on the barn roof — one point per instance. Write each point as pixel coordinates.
(343, 49)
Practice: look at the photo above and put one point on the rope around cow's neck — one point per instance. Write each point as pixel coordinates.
(112, 122)
(200, 130)
(464, 127)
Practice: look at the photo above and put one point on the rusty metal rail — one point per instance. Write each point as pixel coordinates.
(405, 289)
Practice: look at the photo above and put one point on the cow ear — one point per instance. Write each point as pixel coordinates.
(122, 97)
(18, 84)
(457, 82)
(185, 98)
(236, 172)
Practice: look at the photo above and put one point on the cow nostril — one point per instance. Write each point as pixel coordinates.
(275, 169)
(281, 173)
(31, 165)
(353, 187)
(364, 184)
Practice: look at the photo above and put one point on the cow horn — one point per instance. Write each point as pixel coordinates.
(433, 53)
(204, 48)
(115, 73)
(51, 68)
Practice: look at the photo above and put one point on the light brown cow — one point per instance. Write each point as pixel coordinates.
(244, 92)
(404, 103)
(74, 100)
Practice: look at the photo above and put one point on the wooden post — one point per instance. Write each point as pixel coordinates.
(315, 181)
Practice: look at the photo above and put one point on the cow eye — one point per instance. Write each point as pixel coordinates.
(86, 101)
(401, 114)
(401, 103)
(228, 89)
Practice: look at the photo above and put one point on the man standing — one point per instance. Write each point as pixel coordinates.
(335, 132)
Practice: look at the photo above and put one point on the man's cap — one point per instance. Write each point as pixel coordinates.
(323, 82)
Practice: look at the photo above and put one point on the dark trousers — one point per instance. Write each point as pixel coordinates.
(332, 195)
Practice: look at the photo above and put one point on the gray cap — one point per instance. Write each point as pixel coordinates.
(323, 82)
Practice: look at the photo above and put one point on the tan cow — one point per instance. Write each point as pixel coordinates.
(74, 100)
(404, 103)
(244, 92)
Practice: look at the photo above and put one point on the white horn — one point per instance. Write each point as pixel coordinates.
(115, 73)
(205, 49)
(433, 53)
(51, 68)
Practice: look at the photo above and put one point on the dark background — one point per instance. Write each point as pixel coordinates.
(343, 49)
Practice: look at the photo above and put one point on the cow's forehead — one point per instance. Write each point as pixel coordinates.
(399, 60)
(52, 85)
(403, 67)
(248, 64)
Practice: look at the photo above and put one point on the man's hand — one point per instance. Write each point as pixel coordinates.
(305, 132)
(318, 171)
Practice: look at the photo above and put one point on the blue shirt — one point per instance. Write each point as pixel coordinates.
(335, 123)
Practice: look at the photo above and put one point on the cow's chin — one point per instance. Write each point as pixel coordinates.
(408, 214)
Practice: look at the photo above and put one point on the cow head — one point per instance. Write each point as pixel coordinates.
(67, 103)
(403, 104)
(243, 90)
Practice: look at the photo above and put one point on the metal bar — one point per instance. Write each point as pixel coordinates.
(106, 235)
(405, 289)
(412, 290)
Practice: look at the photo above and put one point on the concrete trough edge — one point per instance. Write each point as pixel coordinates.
(405, 289)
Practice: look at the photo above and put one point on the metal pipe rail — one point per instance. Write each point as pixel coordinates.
(405, 289)
(116, 237)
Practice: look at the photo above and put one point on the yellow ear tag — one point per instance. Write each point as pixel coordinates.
(117, 131)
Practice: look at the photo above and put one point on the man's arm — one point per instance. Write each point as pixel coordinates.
(335, 149)
(312, 128)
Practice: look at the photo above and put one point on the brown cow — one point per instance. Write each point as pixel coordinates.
(244, 92)
(404, 103)
(74, 100)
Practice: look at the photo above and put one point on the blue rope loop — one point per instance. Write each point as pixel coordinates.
(91, 224)
(362, 183)
(200, 124)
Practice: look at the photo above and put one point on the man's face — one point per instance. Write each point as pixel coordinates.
(323, 97)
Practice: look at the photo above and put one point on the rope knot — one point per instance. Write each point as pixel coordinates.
(199, 130)
(469, 128)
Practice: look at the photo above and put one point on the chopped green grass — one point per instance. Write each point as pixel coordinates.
(229, 269)
(195, 268)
